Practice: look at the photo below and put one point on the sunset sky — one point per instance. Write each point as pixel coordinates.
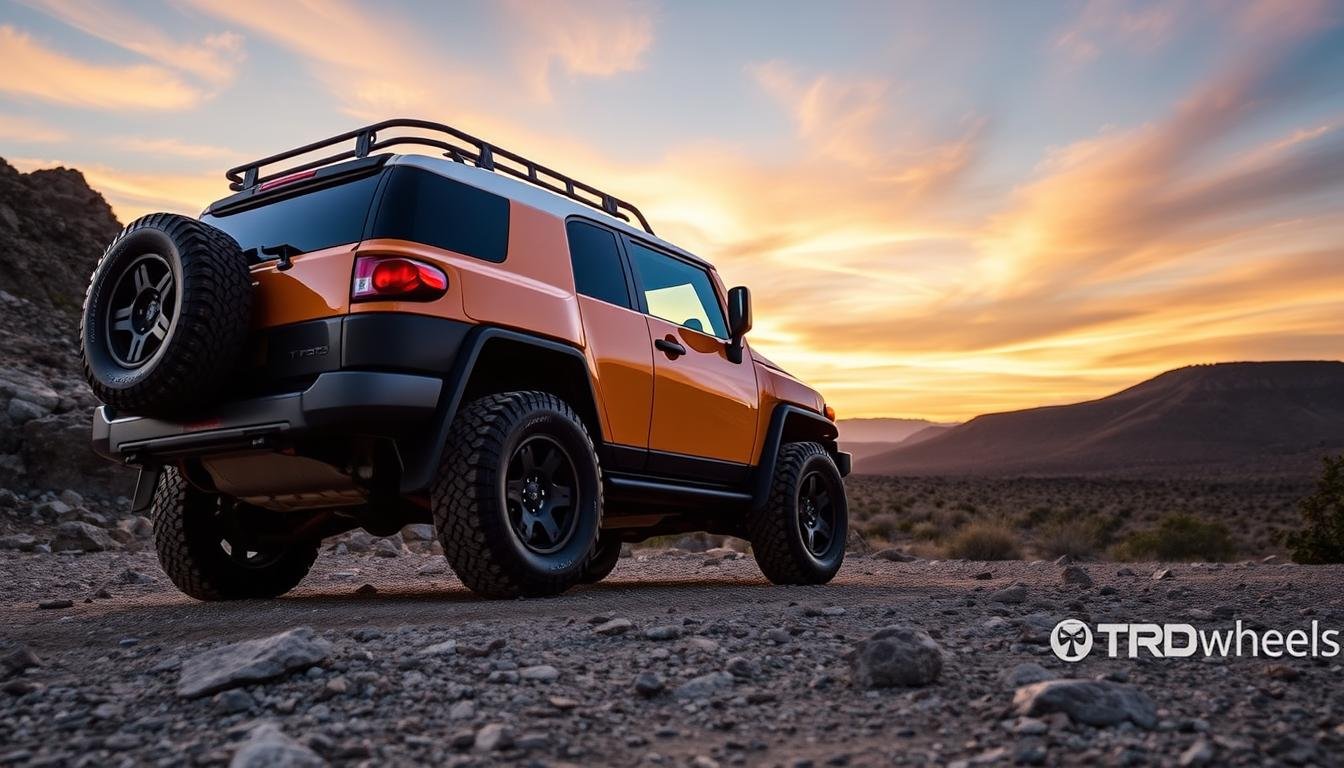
(943, 208)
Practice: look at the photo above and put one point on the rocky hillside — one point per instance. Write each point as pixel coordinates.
(1263, 418)
(53, 228)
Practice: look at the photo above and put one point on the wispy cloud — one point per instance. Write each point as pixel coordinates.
(33, 70)
(574, 38)
(214, 58)
(20, 129)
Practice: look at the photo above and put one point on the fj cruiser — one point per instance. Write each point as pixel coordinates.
(368, 340)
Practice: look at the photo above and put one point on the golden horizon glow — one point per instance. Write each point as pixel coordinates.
(1059, 209)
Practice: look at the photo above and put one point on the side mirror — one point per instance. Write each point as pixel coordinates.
(739, 320)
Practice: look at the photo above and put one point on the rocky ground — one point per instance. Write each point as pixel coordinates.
(676, 659)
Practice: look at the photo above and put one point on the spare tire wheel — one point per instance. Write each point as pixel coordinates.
(166, 316)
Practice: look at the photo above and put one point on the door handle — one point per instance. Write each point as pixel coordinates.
(670, 346)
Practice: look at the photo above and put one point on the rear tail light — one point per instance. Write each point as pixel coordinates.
(383, 278)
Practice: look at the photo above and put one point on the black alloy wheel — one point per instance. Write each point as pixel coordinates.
(540, 492)
(817, 512)
(140, 314)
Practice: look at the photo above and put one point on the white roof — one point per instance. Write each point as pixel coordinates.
(528, 194)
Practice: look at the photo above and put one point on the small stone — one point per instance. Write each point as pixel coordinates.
(366, 590)
(649, 684)
(250, 661)
(704, 686)
(1077, 576)
(1199, 753)
(434, 567)
(268, 747)
(896, 656)
(614, 627)
(1012, 595)
(493, 736)
(983, 576)
(233, 701)
(541, 673)
(387, 548)
(741, 667)
(445, 648)
(1025, 674)
(19, 659)
(481, 650)
(1092, 702)
(418, 532)
(79, 536)
(1065, 559)
(562, 703)
(56, 604)
(130, 576)
(894, 555)
(1163, 573)
(462, 710)
(667, 632)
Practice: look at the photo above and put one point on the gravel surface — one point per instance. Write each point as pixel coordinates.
(676, 659)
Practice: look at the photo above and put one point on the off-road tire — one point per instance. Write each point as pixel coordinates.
(776, 536)
(188, 543)
(208, 315)
(471, 516)
(602, 562)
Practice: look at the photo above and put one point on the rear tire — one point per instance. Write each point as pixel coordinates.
(799, 537)
(518, 498)
(192, 532)
(606, 553)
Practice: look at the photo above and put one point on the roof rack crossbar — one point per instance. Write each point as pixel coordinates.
(477, 152)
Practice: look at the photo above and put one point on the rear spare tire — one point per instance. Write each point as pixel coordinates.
(166, 316)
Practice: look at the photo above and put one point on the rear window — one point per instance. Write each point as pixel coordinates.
(427, 208)
(319, 219)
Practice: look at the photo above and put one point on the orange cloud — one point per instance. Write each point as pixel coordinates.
(214, 59)
(590, 39)
(31, 70)
(18, 128)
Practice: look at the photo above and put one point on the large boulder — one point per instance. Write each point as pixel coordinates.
(250, 661)
(897, 656)
(268, 747)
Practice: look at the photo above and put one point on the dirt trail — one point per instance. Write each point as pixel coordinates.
(775, 659)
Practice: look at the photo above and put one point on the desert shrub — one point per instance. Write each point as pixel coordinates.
(1180, 537)
(1321, 539)
(984, 540)
(1076, 538)
(883, 526)
(926, 531)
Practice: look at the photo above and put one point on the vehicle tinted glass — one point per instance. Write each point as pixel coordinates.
(597, 263)
(321, 218)
(678, 291)
(424, 207)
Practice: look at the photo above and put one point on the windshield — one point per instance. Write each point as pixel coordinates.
(310, 221)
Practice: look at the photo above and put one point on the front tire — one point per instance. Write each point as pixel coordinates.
(799, 537)
(518, 498)
(204, 548)
(603, 561)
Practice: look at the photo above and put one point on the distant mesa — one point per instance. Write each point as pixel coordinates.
(1271, 419)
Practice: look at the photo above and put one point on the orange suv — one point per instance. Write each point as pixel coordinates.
(367, 340)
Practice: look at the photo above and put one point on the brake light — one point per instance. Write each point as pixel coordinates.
(290, 179)
(397, 279)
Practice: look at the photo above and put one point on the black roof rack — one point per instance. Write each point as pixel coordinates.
(480, 153)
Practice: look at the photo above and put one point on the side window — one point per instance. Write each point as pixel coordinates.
(597, 263)
(424, 207)
(678, 291)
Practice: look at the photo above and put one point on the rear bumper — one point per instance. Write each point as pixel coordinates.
(367, 402)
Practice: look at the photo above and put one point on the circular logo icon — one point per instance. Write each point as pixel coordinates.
(1071, 640)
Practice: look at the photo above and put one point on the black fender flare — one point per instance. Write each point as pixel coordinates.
(421, 457)
(791, 420)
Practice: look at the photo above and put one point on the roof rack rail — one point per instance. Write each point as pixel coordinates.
(480, 153)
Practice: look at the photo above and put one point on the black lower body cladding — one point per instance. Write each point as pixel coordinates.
(362, 341)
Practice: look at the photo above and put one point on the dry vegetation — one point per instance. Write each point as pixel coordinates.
(1124, 519)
